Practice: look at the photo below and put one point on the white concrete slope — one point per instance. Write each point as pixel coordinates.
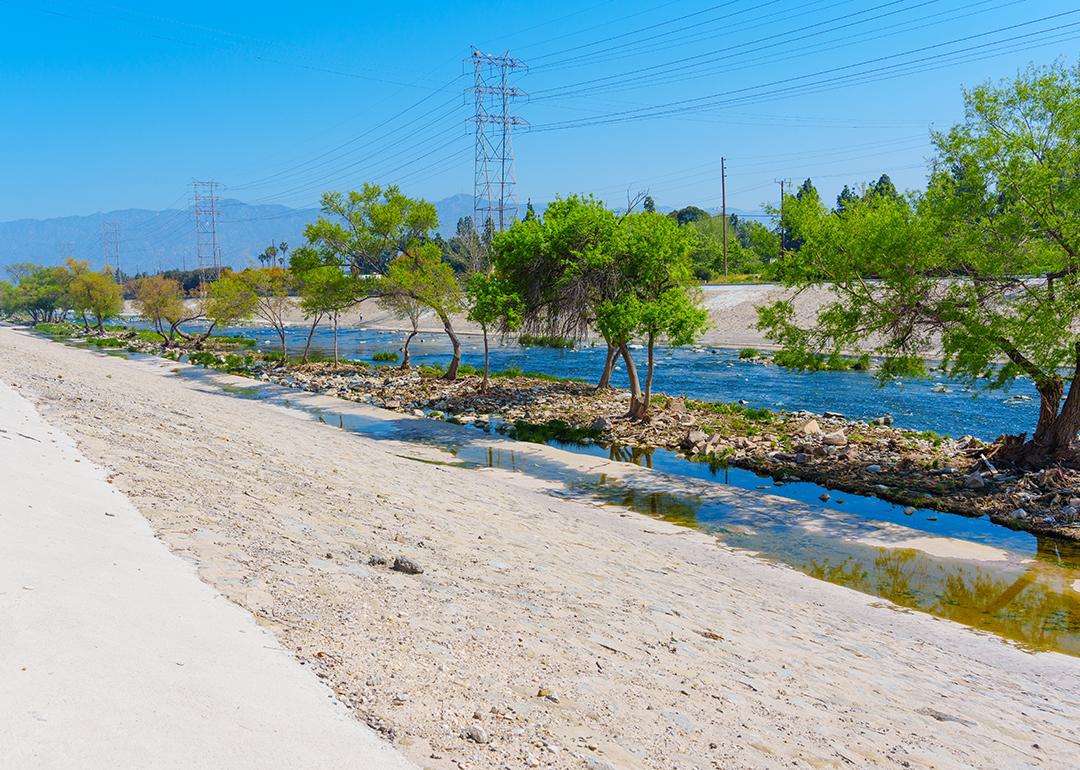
(113, 654)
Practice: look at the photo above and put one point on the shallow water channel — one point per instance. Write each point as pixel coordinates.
(969, 570)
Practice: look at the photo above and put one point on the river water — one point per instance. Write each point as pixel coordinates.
(717, 374)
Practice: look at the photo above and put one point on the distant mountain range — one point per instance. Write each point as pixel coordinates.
(155, 240)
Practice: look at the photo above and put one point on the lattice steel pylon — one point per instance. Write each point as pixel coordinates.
(205, 208)
(110, 247)
(494, 179)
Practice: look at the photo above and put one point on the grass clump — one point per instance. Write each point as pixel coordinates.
(385, 355)
(106, 342)
(513, 371)
(748, 354)
(64, 329)
(545, 341)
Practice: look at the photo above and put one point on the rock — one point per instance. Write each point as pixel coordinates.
(548, 694)
(376, 561)
(801, 458)
(832, 415)
(601, 425)
(1019, 513)
(810, 428)
(693, 438)
(836, 438)
(408, 566)
(476, 734)
(873, 469)
(908, 511)
(884, 421)
(974, 481)
(824, 497)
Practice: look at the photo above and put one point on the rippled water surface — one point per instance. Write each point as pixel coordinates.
(717, 374)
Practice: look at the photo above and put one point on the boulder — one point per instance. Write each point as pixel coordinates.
(836, 438)
(974, 481)
(601, 425)
(693, 438)
(810, 428)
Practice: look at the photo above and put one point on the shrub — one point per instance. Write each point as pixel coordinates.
(545, 341)
(747, 353)
(385, 355)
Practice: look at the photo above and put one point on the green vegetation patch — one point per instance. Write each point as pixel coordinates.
(65, 329)
(385, 355)
(106, 342)
(545, 341)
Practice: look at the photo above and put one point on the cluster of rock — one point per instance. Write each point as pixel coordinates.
(913, 469)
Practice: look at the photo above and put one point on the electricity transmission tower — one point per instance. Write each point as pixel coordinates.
(493, 171)
(110, 247)
(207, 247)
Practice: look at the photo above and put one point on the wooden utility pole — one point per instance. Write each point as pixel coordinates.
(781, 217)
(723, 205)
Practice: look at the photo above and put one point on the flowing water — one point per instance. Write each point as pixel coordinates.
(717, 374)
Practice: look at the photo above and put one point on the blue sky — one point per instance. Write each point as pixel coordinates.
(118, 105)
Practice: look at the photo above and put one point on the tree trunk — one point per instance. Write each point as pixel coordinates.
(484, 383)
(100, 324)
(635, 384)
(649, 375)
(335, 339)
(310, 334)
(85, 323)
(455, 362)
(406, 361)
(284, 350)
(1058, 423)
(609, 367)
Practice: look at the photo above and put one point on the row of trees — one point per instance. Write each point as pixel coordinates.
(48, 294)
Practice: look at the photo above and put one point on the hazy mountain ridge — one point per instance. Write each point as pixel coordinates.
(153, 240)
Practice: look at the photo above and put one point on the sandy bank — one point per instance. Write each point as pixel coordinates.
(116, 655)
(664, 649)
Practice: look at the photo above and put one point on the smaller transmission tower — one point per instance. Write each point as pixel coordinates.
(493, 172)
(207, 247)
(110, 247)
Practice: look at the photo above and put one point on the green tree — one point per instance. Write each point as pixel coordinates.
(660, 300)
(159, 299)
(986, 262)
(272, 287)
(423, 275)
(40, 292)
(491, 301)
(7, 299)
(229, 300)
(688, 214)
(324, 291)
(649, 204)
(562, 267)
(95, 293)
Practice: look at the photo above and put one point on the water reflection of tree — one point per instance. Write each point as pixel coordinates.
(1023, 608)
(1037, 607)
(627, 454)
